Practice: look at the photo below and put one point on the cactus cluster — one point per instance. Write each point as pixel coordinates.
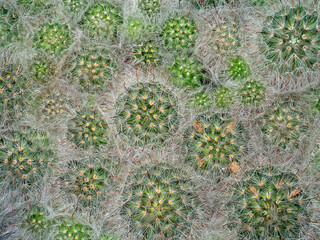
(252, 92)
(53, 38)
(25, 158)
(146, 54)
(160, 203)
(87, 129)
(91, 68)
(179, 33)
(147, 114)
(268, 204)
(102, 20)
(213, 146)
(238, 68)
(150, 7)
(290, 40)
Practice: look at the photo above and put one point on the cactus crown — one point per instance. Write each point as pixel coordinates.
(102, 20)
(223, 97)
(54, 106)
(147, 114)
(54, 38)
(291, 39)
(150, 7)
(213, 146)
(252, 92)
(179, 32)
(238, 68)
(147, 54)
(268, 204)
(160, 202)
(88, 129)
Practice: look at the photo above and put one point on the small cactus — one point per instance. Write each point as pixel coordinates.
(238, 68)
(53, 38)
(147, 54)
(134, 28)
(251, 92)
(75, 6)
(147, 114)
(54, 107)
(36, 222)
(285, 123)
(87, 129)
(8, 31)
(42, 68)
(290, 40)
(186, 72)
(71, 229)
(268, 204)
(102, 20)
(150, 7)
(91, 68)
(24, 158)
(224, 97)
(179, 33)
(201, 101)
(160, 203)
(213, 145)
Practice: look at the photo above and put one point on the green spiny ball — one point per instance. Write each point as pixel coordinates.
(43, 68)
(201, 101)
(134, 28)
(147, 54)
(54, 106)
(252, 92)
(186, 72)
(224, 97)
(267, 204)
(290, 40)
(284, 124)
(87, 183)
(70, 229)
(213, 145)
(54, 38)
(91, 68)
(160, 203)
(24, 158)
(102, 20)
(179, 32)
(8, 31)
(88, 129)
(75, 6)
(147, 114)
(13, 92)
(150, 7)
(36, 222)
(238, 68)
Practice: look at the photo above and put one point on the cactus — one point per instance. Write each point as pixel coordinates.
(134, 28)
(179, 33)
(25, 158)
(54, 106)
(160, 203)
(147, 54)
(150, 7)
(8, 30)
(268, 204)
(285, 123)
(42, 68)
(87, 129)
(213, 145)
(75, 6)
(102, 20)
(53, 38)
(91, 68)
(252, 92)
(224, 97)
(201, 101)
(36, 222)
(71, 229)
(238, 68)
(147, 114)
(290, 40)
(186, 72)
(13, 92)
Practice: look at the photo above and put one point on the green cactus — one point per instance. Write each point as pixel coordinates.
(186, 71)
(147, 54)
(267, 204)
(91, 68)
(88, 129)
(290, 40)
(75, 6)
(24, 158)
(285, 123)
(54, 106)
(150, 7)
(8, 30)
(224, 97)
(102, 20)
(213, 145)
(315, 101)
(160, 203)
(36, 222)
(42, 68)
(134, 28)
(53, 38)
(252, 92)
(201, 101)
(13, 92)
(147, 114)
(179, 33)
(70, 229)
(32, 4)
(238, 68)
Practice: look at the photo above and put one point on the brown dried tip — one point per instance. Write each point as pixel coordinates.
(294, 192)
(234, 167)
(252, 189)
(200, 162)
(230, 126)
(197, 125)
